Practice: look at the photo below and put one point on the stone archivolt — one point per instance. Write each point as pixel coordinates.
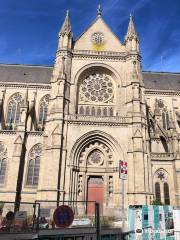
(95, 154)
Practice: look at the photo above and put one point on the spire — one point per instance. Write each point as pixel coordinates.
(99, 11)
(66, 27)
(131, 32)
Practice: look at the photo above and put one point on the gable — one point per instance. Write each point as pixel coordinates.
(91, 39)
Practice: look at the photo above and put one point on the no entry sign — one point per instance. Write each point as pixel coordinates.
(63, 216)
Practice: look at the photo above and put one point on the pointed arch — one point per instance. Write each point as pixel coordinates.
(33, 166)
(162, 183)
(3, 162)
(13, 110)
(89, 138)
(166, 194)
(43, 110)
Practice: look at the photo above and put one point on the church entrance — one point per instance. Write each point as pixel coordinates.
(95, 192)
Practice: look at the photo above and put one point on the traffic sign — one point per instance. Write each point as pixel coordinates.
(63, 216)
(123, 170)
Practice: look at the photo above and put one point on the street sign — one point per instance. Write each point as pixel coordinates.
(21, 215)
(44, 212)
(63, 216)
(123, 170)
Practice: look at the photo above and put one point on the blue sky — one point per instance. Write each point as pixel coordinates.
(29, 28)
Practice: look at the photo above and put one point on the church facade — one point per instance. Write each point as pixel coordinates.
(64, 129)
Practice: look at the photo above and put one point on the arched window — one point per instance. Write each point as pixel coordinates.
(43, 109)
(99, 112)
(111, 112)
(81, 110)
(98, 90)
(3, 162)
(34, 165)
(87, 111)
(165, 118)
(13, 111)
(105, 111)
(93, 111)
(166, 194)
(157, 192)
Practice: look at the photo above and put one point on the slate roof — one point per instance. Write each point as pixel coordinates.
(162, 81)
(25, 74)
(42, 75)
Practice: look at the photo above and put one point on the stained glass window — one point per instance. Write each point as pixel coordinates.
(13, 113)
(43, 109)
(97, 88)
(157, 192)
(34, 165)
(166, 194)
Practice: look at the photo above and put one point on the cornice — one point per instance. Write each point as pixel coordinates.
(162, 92)
(163, 156)
(116, 56)
(24, 85)
(14, 132)
(98, 121)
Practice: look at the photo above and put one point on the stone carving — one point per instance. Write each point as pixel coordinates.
(96, 88)
(95, 154)
(161, 175)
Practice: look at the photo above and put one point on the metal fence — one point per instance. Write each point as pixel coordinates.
(23, 220)
(37, 219)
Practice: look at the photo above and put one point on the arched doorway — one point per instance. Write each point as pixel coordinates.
(93, 178)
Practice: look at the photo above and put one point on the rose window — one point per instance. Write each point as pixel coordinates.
(98, 38)
(96, 88)
(95, 157)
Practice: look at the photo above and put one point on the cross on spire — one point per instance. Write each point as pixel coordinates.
(99, 11)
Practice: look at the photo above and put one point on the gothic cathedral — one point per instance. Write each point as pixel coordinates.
(64, 129)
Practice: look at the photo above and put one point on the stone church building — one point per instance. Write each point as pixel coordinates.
(64, 129)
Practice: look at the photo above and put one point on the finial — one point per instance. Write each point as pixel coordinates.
(67, 13)
(99, 11)
(66, 27)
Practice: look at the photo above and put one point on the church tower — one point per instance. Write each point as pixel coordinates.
(96, 117)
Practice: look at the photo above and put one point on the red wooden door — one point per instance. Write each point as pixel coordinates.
(95, 192)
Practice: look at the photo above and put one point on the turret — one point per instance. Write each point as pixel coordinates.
(131, 38)
(65, 34)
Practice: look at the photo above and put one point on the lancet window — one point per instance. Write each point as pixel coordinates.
(43, 109)
(162, 187)
(34, 165)
(165, 118)
(13, 111)
(3, 162)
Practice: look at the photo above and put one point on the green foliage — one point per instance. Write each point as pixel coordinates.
(156, 202)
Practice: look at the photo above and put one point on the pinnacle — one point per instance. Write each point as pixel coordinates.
(66, 27)
(131, 32)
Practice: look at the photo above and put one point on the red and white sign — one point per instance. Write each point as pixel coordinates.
(123, 170)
